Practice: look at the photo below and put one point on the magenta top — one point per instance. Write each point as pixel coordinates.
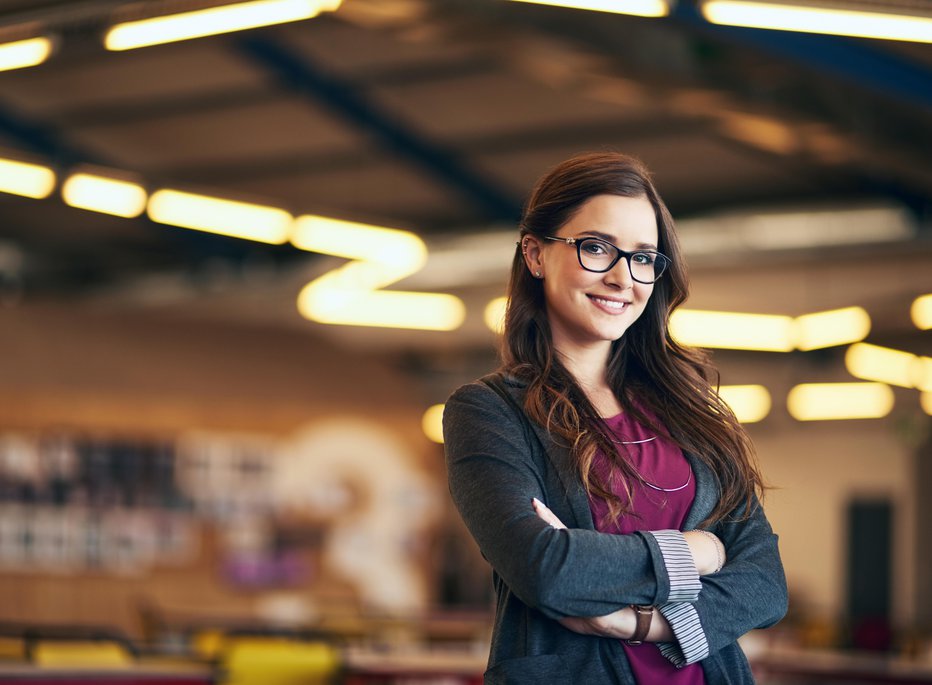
(662, 464)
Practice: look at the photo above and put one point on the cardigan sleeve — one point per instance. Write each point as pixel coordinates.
(569, 572)
(749, 592)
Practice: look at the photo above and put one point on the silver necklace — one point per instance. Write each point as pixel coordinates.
(633, 442)
(645, 481)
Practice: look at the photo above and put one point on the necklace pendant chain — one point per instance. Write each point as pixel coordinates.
(644, 480)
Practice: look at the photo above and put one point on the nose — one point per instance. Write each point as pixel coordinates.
(619, 276)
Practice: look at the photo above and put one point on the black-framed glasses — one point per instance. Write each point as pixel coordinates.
(599, 256)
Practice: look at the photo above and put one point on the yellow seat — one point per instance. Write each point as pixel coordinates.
(278, 661)
(207, 644)
(80, 653)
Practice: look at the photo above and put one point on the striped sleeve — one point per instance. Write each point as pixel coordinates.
(691, 644)
(681, 569)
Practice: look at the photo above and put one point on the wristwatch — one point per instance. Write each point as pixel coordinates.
(644, 614)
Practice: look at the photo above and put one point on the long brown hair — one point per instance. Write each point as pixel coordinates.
(648, 371)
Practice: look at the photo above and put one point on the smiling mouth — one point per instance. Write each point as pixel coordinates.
(616, 305)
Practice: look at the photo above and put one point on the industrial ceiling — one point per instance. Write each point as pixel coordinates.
(433, 116)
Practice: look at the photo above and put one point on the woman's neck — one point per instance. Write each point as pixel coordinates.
(588, 368)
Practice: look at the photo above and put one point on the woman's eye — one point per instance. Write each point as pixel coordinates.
(642, 258)
(594, 248)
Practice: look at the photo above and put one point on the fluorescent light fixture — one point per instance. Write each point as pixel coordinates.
(225, 217)
(732, 330)
(836, 401)
(876, 363)
(237, 16)
(494, 314)
(638, 8)
(750, 403)
(352, 294)
(922, 374)
(734, 233)
(24, 53)
(921, 312)
(28, 180)
(396, 249)
(432, 423)
(925, 401)
(831, 328)
(106, 195)
(812, 18)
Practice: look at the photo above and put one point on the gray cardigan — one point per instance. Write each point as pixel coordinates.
(497, 461)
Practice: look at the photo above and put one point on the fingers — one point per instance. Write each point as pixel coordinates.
(546, 515)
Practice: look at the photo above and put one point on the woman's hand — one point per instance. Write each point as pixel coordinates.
(543, 511)
(708, 551)
(619, 624)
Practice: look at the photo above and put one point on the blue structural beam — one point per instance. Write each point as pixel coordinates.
(857, 61)
(43, 140)
(301, 76)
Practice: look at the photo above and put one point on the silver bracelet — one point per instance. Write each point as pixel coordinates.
(718, 548)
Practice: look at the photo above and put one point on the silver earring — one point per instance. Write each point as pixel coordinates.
(537, 274)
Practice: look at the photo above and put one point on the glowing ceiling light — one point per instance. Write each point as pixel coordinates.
(432, 423)
(494, 314)
(24, 53)
(237, 16)
(750, 403)
(731, 330)
(28, 180)
(225, 217)
(876, 363)
(836, 401)
(639, 8)
(815, 19)
(351, 295)
(925, 401)
(830, 328)
(922, 374)
(921, 312)
(102, 194)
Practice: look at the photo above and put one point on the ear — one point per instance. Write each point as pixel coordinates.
(532, 248)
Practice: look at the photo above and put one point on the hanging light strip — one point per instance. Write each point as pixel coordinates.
(838, 401)
(106, 195)
(29, 180)
(921, 312)
(831, 328)
(638, 8)
(352, 294)
(750, 403)
(732, 330)
(432, 423)
(814, 18)
(24, 53)
(216, 215)
(882, 364)
(212, 21)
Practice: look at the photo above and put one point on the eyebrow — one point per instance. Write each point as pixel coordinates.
(610, 238)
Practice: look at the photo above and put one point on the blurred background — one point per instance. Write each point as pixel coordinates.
(248, 249)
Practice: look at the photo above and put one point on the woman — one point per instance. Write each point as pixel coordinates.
(578, 466)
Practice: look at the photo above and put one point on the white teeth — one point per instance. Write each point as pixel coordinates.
(612, 304)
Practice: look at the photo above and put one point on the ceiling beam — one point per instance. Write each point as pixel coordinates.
(299, 75)
(857, 61)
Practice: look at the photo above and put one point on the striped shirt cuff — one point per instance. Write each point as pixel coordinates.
(691, 645)
(681, 569)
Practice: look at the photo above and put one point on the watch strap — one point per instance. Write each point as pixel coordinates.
(644, 614)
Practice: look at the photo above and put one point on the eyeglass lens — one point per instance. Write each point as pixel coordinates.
(598, 255)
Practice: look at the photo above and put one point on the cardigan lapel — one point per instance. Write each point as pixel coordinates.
(706, 493)
(576, 497)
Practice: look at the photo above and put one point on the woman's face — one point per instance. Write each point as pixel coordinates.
(587, 309)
